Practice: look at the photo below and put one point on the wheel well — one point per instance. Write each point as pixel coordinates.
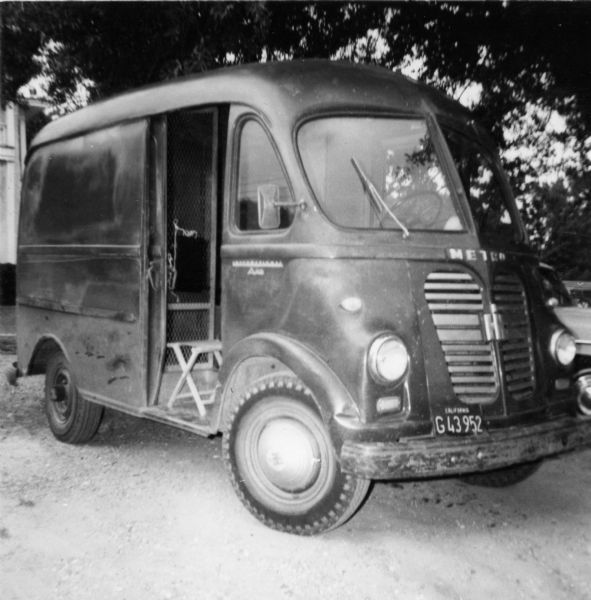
(45, 348)
(245, 374)
(265, 355)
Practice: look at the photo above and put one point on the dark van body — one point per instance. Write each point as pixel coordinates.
(322, 261)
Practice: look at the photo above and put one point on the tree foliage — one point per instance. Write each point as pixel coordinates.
(21, 40)
(527, 58)
(122, 45)
(519, 51)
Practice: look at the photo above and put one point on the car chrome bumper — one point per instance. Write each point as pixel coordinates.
(440, 456)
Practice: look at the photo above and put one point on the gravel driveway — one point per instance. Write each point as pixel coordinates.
(146, 512)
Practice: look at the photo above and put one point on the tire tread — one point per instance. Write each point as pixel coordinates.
(87, 415)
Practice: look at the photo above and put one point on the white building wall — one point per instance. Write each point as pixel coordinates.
(12, 147)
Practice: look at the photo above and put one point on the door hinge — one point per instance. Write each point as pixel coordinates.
(152, 276)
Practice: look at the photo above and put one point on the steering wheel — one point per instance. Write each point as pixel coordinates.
(417, 210)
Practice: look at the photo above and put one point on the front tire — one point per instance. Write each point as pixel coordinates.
(282, 463)
(71, 418)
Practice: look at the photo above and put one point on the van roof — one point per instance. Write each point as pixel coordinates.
(279, 90)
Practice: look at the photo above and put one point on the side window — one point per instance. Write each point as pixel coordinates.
(262, 188)
(482, 181)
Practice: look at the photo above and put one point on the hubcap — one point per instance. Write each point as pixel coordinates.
(289, 455)
(60, 396)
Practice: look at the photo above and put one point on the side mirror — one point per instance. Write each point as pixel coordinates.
(268, 199)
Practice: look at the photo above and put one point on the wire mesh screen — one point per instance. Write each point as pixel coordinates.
(187, 325)
(189, 224)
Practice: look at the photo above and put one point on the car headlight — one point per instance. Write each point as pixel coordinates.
(563, 347)
(387, 359)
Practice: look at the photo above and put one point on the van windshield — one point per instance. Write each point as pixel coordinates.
(482, 181)
(377, 173)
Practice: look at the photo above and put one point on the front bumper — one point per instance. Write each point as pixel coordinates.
(440, 456)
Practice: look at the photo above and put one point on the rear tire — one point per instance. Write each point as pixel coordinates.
(282, 464)
(503, 477)
(71, 418)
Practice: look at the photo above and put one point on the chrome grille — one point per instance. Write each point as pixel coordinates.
(515, 345)
(456, 304)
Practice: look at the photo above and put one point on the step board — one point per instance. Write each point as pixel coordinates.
(183, 416)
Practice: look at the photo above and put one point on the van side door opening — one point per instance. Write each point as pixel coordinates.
(190, 197)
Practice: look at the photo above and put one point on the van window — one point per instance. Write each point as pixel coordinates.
(259, 171)
(88, 189)
(482, 182)
(345, 156)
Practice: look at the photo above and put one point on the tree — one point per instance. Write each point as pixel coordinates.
(559, 223)
(20, 41)
(117, 46)
(526, 59)
(509, 48)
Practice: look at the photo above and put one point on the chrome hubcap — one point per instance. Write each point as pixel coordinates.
(60, 396)
(289, 455)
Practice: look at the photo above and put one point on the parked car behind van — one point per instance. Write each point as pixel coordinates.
(577, 318)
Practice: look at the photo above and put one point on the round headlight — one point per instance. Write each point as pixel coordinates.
(563, 347)
(387, 359)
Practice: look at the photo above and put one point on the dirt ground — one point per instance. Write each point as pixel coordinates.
(146, 512)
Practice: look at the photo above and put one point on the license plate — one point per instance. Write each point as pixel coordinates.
(458, 420)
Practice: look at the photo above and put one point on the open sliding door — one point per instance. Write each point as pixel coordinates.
(186, 180)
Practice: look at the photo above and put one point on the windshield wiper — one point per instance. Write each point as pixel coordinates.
(376, 200)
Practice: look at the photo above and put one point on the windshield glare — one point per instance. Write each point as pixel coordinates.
(377, 173)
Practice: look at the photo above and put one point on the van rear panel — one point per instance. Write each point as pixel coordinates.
(80, 267)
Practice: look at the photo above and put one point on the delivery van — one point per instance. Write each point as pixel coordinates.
(320, 261)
